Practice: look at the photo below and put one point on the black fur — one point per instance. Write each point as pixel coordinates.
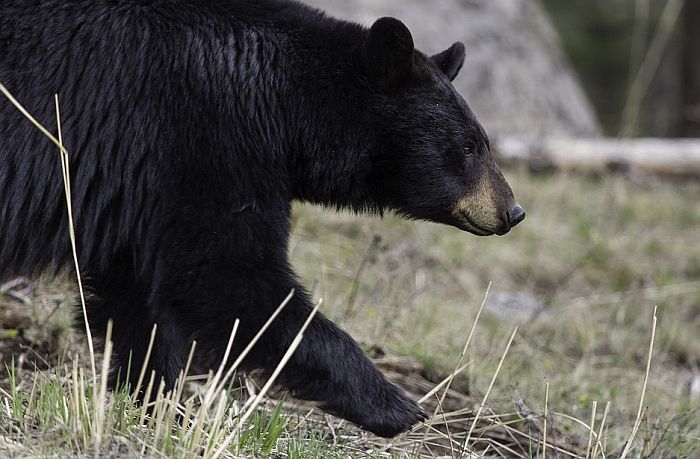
(451, 60)
(193, 125)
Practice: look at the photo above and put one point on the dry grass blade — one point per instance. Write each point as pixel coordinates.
(590, 431)
(544, 429)
(31, 119)
(147, 358)
(638, 421)
(214, 384)
(147, 396)
(67, 188)
(182, 379)
(257, 337)
(251, 409)
(442, 383)
(65, 168)
(600, 432)
(458, 368)
(101, 399)
(488, 391)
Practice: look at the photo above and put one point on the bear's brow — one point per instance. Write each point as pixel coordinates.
(480, 129)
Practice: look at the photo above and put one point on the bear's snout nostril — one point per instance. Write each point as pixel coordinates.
(516, 215)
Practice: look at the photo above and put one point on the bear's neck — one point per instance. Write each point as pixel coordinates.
(330, 159)
(296, 96)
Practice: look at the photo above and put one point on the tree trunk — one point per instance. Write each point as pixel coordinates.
(675, 157)
(691, 69)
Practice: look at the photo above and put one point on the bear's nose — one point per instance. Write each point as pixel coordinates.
(516, 215)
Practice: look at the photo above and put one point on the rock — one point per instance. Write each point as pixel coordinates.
(515, 307)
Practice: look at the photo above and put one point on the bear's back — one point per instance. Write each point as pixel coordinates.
(129, 78)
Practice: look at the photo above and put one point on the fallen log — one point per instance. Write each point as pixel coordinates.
(679, 157)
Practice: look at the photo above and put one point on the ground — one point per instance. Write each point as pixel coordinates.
(579, 278)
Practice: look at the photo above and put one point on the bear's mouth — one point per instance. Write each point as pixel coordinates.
(466, 224)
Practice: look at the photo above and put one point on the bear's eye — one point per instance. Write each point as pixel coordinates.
(468, 151)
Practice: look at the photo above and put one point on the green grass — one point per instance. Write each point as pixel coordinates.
(580, 278)
(595, 255)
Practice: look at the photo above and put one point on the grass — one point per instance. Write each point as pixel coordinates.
(580, 279)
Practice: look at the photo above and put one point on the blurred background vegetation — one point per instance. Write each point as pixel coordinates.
(617, 44)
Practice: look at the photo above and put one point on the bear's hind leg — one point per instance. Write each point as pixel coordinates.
(119, 299)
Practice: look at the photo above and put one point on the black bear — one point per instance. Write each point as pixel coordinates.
(193, 125)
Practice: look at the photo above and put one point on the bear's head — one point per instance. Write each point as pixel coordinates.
(433, 156)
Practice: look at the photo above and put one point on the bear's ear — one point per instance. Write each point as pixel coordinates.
(388, 52)
(451, 60)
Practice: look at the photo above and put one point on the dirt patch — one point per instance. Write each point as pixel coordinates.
(35, 325)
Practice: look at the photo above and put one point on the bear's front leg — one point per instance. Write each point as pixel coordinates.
(329, 367)
(224, 266)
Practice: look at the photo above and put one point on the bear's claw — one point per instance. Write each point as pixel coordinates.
(395, 420)
(392, 414)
